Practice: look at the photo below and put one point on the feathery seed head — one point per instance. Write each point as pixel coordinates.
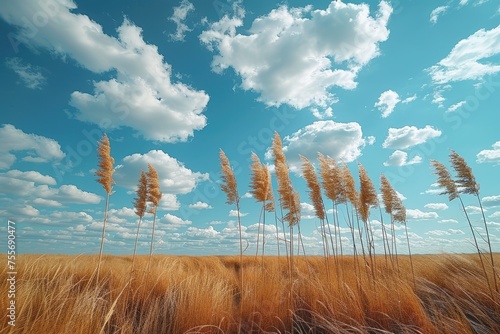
(106, 170)
(228, 185)
(466, 181)
(261, 183)
(444, 180)
(367, 194)
(153, 187)
(387, 193)
(349, 185)
(142, 193)
(331, 179)
(314, 187)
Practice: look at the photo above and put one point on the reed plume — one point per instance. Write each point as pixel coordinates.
(331, 179)
(367, 194)
(262, 192)
(467, 185)
(105, 174)
(314, 188)
(367, 198)
(311, 178)
(153, 198)
(349, 186)
(140, 205)
(230, 187)
(289, 198)
(261, 184)
(334, 190)
(228, 180)
(445, 181)
(388, 198)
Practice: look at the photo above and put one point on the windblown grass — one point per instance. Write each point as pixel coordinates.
(181, 294)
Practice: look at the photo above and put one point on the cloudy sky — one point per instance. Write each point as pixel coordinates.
(390, 85)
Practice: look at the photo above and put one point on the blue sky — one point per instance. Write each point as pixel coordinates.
(390, 85)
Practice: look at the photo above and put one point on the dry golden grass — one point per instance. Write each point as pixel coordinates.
(182, 294)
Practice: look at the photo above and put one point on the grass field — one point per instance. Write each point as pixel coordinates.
(181, 294)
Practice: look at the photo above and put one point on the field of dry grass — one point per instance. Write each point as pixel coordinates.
(181, 294)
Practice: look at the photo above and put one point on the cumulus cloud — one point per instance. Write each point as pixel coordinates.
(436, 206)
(38, 148)
(172, 222)
(492, 156)
(173, 176)
(470, 59)
(200, 206)
(290, 55)
(473, 210)
(141, 95)
(31, 176)
(409, 136)
(234, 213)
(341, 141)
(400, 158)
(436, 12)
(417, 214)
(387, 102)
(63, 194)
(31, 76)
(178, 17)
(491, 201)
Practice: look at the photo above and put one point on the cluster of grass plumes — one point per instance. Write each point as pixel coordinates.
(57, 294)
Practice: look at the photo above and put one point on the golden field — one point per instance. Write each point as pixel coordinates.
(182, 294)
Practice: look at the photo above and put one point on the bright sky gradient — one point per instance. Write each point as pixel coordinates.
(390, 85)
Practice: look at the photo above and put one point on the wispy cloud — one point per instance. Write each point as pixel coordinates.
(178, 17)
(31, 76)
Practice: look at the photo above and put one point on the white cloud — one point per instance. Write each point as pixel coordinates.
(416, 214)
(178, 17)
(494, 215)
(473, 210)
(491, 201)
(448, 221)
(290, 56)
(247, 195)
(31, 176)
(234, 213)
(172, 222)
(400, 158)
(387, 102)
(30, 75)
(174, 177)
(46, 202)
(370, 140)
(492, 156)
(436, 12)
(141, 96)
(409, 136)
(464, 60)
(436, 206)
(12, 140)
(63, 194)
(202, 233)
(409, 99)
(200, 206)
(341, 141)
(169, 202)
(448, 232)
(455, 106)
